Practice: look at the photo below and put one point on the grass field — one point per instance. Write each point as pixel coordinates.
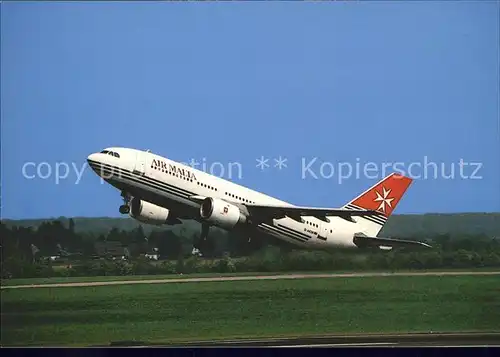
(194, 311)
(83, 279)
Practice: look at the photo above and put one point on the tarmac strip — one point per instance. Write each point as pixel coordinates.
(465, 339)
(248, 278)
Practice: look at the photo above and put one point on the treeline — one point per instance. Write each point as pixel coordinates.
(26, 252)
(402, 225)
(54, 238)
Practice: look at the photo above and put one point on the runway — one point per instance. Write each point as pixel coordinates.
(465, 339)
(247, 278)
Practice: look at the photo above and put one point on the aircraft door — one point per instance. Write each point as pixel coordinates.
(325, 231)
(140, 163)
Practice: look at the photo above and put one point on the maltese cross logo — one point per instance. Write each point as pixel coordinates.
(384, 200)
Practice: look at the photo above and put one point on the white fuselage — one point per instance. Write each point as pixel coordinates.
(169, 184)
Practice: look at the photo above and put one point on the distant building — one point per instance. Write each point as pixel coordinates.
(152, 256)
(115, 250)
(111, 249)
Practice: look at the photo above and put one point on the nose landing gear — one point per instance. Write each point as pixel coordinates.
(125, 208)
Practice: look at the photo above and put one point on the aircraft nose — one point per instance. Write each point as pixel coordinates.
(92, 158)
(93, 161)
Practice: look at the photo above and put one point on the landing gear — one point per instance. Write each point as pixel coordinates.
(202, 242)
(125, 208)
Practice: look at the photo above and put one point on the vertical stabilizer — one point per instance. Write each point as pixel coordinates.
(382, 197)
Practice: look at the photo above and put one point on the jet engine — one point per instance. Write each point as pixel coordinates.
(149, 213)
(222, 214)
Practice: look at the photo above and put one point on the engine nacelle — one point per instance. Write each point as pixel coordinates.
(147, 212)
(221, 213)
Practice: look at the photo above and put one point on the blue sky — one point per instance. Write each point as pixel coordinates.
(363, 82)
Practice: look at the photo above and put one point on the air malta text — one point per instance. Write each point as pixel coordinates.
(174, 169)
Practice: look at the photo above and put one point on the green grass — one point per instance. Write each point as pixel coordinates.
(36, 281)
(55, 280)
(195, 311)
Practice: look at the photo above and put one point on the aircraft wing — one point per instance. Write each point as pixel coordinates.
(361, 240)
(295, 212)
(271, 211)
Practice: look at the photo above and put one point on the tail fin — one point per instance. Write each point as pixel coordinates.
(382, 197)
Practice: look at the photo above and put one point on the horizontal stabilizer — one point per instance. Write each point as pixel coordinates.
(363, 241)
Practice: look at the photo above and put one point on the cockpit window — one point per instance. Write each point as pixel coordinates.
(112, 153)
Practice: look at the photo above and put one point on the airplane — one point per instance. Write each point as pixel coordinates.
(160, 191)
